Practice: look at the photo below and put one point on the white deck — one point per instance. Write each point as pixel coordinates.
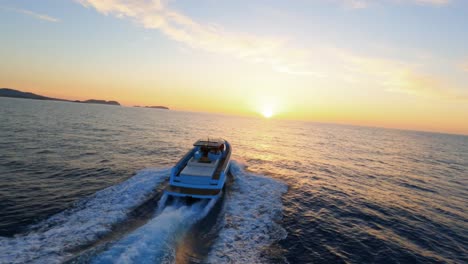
(195, 168)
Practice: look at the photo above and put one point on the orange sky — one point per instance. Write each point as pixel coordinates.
(346, 69)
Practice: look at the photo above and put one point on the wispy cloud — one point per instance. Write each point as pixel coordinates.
(156, 14)
(33, 14)
(358, 4)
(433, 2)
(317, 62)
(415, 83)
(401, 77)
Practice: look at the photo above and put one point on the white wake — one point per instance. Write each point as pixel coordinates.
(155, 242)
(249, 223)
(85, 223)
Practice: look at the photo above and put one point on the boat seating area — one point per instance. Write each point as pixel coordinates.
(196, 168)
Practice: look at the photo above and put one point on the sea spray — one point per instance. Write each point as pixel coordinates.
(251, 213)
(162, 203)
(91, 218)
(155, 242)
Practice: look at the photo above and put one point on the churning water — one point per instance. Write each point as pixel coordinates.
(82, 183)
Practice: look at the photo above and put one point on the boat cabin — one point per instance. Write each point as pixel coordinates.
(208, 151)
(205, 160)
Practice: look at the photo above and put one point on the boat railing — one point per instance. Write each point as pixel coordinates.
(222, 169)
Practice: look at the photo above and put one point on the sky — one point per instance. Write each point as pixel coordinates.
(386, 63)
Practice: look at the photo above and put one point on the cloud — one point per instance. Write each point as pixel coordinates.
(359, 4)
(433, 2)
(156, 14)
(400, 77)
(316, 62)
(419, 84)
(34, 14)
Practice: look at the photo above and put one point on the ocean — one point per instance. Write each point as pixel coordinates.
(81, 183)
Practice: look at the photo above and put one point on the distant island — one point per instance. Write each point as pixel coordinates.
(7, 92)
(155, 106)
(94, 101)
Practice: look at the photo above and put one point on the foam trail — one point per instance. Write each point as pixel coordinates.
(161, 203)
(155, 241)
(249, 223)
(85, 223)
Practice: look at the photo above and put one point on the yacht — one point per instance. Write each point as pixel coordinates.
(202, 172)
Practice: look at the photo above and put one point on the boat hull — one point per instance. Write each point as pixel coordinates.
(192, 192)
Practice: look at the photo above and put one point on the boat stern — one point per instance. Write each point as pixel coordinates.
(190, 192)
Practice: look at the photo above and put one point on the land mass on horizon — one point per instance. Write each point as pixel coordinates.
(7, 92)
(154, 106)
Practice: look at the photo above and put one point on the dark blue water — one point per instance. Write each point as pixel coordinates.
(81, 183)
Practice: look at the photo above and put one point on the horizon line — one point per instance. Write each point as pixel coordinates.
(256, 116)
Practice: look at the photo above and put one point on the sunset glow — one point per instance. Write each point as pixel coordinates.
(267, 112)
(369, 63)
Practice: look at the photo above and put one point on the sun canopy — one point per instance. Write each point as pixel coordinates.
(210, 142)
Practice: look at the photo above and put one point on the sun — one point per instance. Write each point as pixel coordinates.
(267, 112)
(266, 106)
